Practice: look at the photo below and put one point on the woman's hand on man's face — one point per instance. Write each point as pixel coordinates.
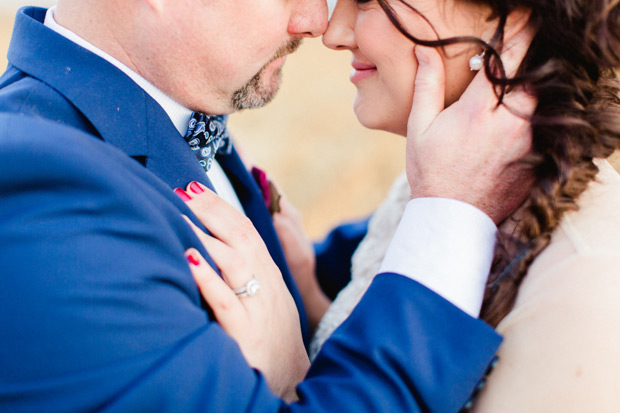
(467, 151)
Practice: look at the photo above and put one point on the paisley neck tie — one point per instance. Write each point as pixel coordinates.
(206, 135)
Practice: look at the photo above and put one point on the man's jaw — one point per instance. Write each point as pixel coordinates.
(255, 93)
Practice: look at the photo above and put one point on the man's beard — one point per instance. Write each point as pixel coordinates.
(255, 94)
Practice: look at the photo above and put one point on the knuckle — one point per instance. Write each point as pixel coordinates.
(227, 303)
(427, 83)
(235, 265)
(246, 225)
(244, 230)
(201, 204)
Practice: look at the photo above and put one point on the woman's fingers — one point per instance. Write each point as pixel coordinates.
(265, 322)
(225, 305)
(224, 221)
(229, 261)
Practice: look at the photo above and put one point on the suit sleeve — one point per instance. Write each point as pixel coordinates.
(334, 253)
(100, 311)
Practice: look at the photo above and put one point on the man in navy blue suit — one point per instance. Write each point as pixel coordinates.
(99, 310)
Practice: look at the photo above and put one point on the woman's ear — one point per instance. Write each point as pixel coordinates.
(516, 22)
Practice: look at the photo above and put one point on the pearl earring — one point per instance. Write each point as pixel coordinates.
(476, 62)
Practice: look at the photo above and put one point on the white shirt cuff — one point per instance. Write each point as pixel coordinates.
(447, 246)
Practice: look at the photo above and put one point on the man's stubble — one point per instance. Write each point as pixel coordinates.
(255, 93)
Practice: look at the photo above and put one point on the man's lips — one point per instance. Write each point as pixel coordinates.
(275, 64)
(362, 71)
(279, 61)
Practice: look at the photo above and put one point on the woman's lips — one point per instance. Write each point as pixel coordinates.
(362, 71)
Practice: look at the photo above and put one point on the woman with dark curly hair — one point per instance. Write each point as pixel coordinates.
(554, 282)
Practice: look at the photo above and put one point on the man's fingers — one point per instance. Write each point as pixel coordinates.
(515, 49)
(520, 103)
(225, 305)
(429, 92)
(519, 135)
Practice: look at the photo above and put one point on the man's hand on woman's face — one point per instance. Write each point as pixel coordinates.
(466, 151)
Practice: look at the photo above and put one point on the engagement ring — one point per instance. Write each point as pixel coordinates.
(250, 289)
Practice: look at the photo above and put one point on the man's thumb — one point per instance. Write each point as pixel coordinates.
(429, 92)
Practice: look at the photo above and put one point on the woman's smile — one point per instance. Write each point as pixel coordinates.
(361, 71)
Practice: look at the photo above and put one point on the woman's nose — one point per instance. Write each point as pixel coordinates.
(340, 33)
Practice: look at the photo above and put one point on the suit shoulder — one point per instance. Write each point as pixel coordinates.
(27, 140)
(41, 155)
(20, 93)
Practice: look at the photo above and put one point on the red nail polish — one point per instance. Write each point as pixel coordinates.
(195, 187)
(182, 194)
(193, 259)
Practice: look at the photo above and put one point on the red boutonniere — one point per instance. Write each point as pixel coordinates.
(271, 196)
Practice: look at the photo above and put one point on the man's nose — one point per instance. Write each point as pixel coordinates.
(309, 18)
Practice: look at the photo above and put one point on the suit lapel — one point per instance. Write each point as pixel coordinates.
(109, 99)
(169, 155)
(252, 200)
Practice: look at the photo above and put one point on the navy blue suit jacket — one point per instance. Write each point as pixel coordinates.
(98, 308)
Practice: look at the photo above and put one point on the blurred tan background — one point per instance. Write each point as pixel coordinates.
(308, 138)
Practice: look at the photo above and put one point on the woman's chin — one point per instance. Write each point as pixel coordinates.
(375, 117)
(366, 116)
(374, 122)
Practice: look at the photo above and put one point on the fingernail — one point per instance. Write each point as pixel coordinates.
(182, 194)
(196, 188)
(193, 259)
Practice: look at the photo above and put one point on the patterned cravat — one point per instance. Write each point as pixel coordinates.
(206, 135)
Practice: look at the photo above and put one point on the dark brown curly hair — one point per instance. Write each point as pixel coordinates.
(569, 68)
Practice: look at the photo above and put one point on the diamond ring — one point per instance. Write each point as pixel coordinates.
(250, 288)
